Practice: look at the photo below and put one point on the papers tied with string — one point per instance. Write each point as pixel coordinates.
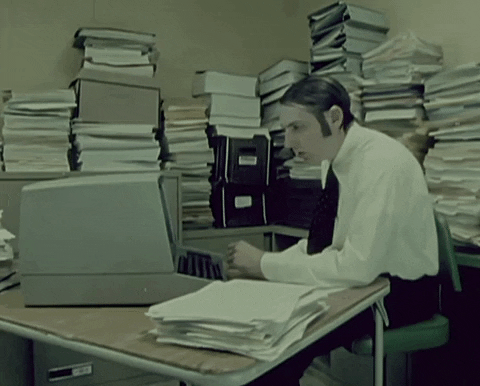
(259, 319)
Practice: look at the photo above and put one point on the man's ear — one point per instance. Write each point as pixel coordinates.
(334, 117)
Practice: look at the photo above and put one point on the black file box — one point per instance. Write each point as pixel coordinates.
(242, 161)
(236, 205)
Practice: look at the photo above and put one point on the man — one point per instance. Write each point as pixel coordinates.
(374, 218)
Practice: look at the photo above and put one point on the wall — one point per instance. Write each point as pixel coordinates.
(239, 36)
(452, 24)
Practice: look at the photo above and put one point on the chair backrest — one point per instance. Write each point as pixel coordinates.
(448, 269)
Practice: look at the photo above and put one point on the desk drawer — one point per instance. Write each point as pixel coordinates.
(62, 367)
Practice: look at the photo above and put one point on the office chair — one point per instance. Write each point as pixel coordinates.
(430, 333)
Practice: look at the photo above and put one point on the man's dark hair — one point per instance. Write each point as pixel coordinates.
(319, 94)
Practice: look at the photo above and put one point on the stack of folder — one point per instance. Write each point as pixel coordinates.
(340, 33)
(240, 172)
(393, 88)
(451, 166)
(115, 122)
(187, 151)
(36, 130)
(117, 50)
(259, 319)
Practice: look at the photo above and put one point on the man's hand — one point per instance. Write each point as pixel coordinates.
(243, 261)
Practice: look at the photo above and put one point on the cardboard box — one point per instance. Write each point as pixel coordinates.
(109, 97)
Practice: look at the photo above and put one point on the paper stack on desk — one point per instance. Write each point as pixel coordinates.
(259, 319)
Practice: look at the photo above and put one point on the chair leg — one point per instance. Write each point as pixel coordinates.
(409, 369)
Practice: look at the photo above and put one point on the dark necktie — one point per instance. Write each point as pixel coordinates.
(320, 234)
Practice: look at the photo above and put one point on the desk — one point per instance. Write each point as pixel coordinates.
(120, 334)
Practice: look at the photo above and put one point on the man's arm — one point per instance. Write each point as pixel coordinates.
(391, 214)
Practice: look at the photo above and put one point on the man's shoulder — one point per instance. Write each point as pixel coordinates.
(383, 153)
(380, 145)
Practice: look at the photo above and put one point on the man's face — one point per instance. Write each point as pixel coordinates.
(303, 134)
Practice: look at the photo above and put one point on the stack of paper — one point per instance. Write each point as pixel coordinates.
(453, 178)
(405, 55)
(116, 50)
(451, 166)
(187, 148)
(254, 318)
(36, 129)
(453, 91)
(394, 72)
(187, 151)
(114, 147)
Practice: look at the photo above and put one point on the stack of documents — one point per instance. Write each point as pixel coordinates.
(259, 319)
(117, 50)
(114, 147)
(405, 55)
(453, 91)
(36, 131)
(186, 147)
(186, 150)
(453, 173)
(394, 72)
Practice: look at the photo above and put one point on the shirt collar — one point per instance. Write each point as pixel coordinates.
(343, 159)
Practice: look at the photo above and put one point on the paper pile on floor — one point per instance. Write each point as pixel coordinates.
(259, 319)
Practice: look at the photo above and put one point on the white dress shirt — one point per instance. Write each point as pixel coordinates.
(384, 224)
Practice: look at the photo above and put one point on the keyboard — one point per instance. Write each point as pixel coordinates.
(200, 264)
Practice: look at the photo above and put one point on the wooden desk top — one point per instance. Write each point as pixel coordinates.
(125, 329)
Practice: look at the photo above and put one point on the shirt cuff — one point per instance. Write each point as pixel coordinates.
(270, 266)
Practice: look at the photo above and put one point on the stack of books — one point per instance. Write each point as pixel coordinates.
(272, 84)
(36, 130)
(259, 319)
(394, 72)
(187, 151)
(240, 173)
(117, 50)
(451, 166)
(115, 122)
(340, 33)
(231, 98)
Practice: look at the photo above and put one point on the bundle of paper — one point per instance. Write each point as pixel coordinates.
(259, 319)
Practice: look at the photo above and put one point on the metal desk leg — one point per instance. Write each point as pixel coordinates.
(378, 344)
